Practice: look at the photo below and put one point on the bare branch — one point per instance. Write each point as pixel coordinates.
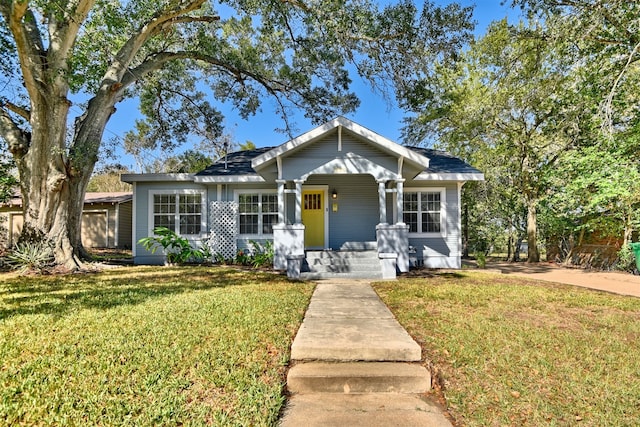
(17, 139)
(21, 111)
(157, 61)
(608, 107)
(64, 32)
(126, 54)
(29, 46)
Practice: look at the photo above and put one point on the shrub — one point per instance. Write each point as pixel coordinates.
(177, 249)
(262, 254)
(30, 256)
(242, 258)
(481, 260)
(626, 260)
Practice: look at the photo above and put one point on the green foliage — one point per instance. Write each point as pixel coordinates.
(107, 179)
(626, 259)
(258, 255)
(30, 257)
(177, 249)
(481, 259)
(262, 253)
(242, 257)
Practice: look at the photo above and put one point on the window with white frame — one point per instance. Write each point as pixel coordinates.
(258, 212)
(423, 211)
(180, 212)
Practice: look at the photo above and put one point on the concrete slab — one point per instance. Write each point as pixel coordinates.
(353, 339)
(348, 308)
(370, 410)
(358, 377)
(353, 289)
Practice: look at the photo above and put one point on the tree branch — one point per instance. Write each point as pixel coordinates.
(17, 139)
(158, 60)
(126, 54)
(22, 24)
(608, 106)
(64, 32)
(21, 111)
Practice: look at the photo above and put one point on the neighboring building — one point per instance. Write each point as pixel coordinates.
(339, 187)
(106, 220)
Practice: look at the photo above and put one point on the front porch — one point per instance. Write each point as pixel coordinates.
(342, 218)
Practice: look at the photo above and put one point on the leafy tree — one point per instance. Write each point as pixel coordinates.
(170, 53)
(597, 188)
(502, 108)
(108, 179)
(248, 145)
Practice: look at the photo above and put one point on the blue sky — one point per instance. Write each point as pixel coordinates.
(373, 113)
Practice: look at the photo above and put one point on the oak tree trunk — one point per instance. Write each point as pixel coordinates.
(54, 175)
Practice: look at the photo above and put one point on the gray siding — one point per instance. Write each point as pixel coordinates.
(141, 227)
(358, 211)
(317, 154)
(441, 252)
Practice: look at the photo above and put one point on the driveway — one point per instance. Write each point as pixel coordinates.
(615, 282)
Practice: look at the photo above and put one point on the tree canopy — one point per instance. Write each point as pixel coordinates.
(178, 57)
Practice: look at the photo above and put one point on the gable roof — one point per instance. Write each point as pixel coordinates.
(444, 166)
(233, 165)
(373, 138)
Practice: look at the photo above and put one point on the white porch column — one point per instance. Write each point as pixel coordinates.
(400, 200)
(382, 200)
(299, 183)
(281, 203)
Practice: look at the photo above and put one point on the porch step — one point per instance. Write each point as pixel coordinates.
(346, 264)
(358, 377)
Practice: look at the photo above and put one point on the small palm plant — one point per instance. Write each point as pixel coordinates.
(30, 256)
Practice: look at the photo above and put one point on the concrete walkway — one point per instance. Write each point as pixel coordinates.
(354, 365)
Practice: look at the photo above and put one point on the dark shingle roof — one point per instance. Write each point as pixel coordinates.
(443, 162)
(238, 163)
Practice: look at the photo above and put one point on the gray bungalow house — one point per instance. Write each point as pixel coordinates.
(337, 199)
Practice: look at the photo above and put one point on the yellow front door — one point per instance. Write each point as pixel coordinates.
(313, 218)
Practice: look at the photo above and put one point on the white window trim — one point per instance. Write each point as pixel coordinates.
(203, 212)
(443, 209)
(259, 235)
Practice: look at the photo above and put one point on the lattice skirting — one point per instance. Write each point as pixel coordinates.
(223, 217)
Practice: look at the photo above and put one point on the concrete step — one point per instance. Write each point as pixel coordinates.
(371, 410)
(335, 264)
(358, 377)
(341, 254)
(318, 275)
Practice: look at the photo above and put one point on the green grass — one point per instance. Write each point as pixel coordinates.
(146, 346)
(511, 351)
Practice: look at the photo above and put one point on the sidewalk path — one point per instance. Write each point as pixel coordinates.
(615, 282)
(354, 365)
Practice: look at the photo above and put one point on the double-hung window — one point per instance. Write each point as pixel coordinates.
(181, 212)
(424, 211)
(258, 212)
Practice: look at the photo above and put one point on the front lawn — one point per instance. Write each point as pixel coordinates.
(147, 346)
(517, 352)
